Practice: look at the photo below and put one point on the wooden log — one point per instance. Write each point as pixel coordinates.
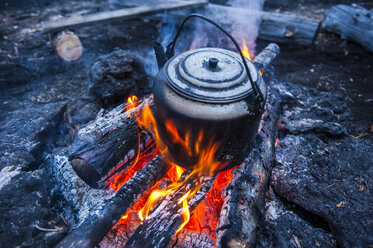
(167, 217)
(245, 194)
(159, 229)
(101, 219)
(68, 46)
(190, 239)
(121, 14)
(266, 56)
(353, 23)
(274, 27)
(109, 145)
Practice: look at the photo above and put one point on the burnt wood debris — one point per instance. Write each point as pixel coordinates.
(66, 131)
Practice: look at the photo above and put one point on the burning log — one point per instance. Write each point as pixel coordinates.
(104, 217)
(167, 217)
(190, 239)
(265, 57)
(245, 195)
(351, 23)
(109, 145)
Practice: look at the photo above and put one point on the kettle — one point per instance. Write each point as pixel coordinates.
(209, 95)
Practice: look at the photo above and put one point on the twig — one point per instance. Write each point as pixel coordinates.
(56, 229)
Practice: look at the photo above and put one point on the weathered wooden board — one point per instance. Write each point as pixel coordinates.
(121, 14)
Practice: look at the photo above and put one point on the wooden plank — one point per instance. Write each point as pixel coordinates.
(121, 14)
(353, 23)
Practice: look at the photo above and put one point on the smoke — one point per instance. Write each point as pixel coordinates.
(239, 19)
(245, 28)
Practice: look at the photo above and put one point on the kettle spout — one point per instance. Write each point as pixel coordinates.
(160, 54)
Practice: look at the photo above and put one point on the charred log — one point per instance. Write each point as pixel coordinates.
(351, 23)
(117, 75)
(274, 27)
(104, 217)
(108, 146)
(190, 239)
(167, 217)
(245, 195)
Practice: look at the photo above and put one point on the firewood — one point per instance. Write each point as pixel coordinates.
(68, 46)
(245, 194)
(104, 217)
(167, 217)
(121, 14)
(265, 57)
(274, 27)
(109, 144)
(190, 239)
(158, 230)
(353, 23)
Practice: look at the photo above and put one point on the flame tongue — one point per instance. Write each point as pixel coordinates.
(205, 166)
(246, 52)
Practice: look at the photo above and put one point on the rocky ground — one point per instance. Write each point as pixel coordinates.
(321, 190)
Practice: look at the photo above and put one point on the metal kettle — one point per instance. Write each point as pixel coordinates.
(209, 95)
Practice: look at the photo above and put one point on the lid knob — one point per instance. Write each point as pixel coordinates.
(213, 62)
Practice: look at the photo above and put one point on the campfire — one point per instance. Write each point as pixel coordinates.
(188, 133)
(182, 201)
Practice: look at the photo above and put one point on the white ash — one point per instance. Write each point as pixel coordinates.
(6, 175)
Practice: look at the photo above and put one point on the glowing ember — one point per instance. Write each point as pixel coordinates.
(118, 180)
(204, 218)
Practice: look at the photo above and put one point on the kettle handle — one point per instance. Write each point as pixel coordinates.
(171, 50)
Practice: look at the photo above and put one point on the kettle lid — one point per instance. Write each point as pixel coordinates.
(212, 75)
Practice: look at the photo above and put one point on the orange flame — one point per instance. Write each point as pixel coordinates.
(206, 215)
(246, 52)
(206, 163)
(132, 103)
